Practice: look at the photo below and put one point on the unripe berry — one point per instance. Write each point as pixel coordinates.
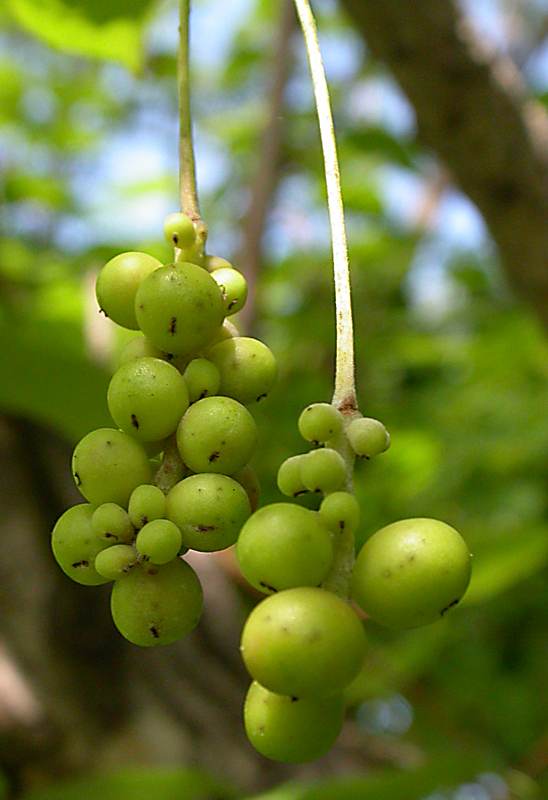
(368, 437)
(320, 422)
(340, 511)
(233, 288)
(179, 230)
(115, 562)
(117, 285)
(290, 480)
(323, 470)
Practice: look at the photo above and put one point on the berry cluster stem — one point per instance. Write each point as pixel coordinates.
(187, 163)
(344, 396)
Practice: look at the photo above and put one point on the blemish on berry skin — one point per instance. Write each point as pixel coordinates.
(144, 520)
(387, 573)
(135, 421)
(78, 564)
(261, 397)
(268, 586)
(204, 528)
(214, 456)
(173, 325)
(294, 699)
(451, 605)
(77, 479)
(154, 631)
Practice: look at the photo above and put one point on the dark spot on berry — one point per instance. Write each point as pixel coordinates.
(204, 528)
(451, 605)
(108, 443)
(152, 571)
(261, 396)
(169, 356)
(77, 479)
(267, 586)
(144, 520)
(204, 394)
(102, 311)
(110, 535)
(154, 631)
(175, 239)
(135, 421)
(232, 304)
(214, 456)
(173, 325)
(82, 563)
(300, 492)
(294, 699)
(342, 524)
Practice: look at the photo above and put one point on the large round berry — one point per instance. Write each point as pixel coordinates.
(75, 545)
(157, 605)
(247, 366)
(282, 546)
(303, 642)
(147, 397)
(209, 510)
(107, 465)
(117, 286)
(217, 434)
(291, 729)
(411, 572)
(179, 308)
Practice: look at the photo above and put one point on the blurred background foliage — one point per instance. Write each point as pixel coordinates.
(448, 358)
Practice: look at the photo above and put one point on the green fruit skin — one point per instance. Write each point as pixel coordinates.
(209, 510)
(368, 437)
(289, 729)
(202, 379)
(179, 230)
(233, 288)
(320, 422)
(75, 545)
(303, 642)
(247, 367)
(107, 465)
(138, 347)
(146, 503)
(282, 546)
(411, 572)
(146, 398)
(289, 477)
(323, 470)
(111, 523)
(340, 511)
(117, 286)
(179, 308)
(248, 478)
(115, 562)
(159, 540)
(217, 434)
(217, 262)
(157, 605)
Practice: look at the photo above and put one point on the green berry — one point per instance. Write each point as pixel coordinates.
(147, 503)
(227, 331)
(209, 510)
(138, 347)
(368, 437)
(217, 434)
(115, 562)
(291, 729)
(147, 397)
(216, 262)
(247, 366)
(320, 422)
(202, 379)
(75, 545)
(157, 605)
(303, 642)
(282, 546)
(290, 481)
(233, 288)
(111, 523)
(179, 308)
(117, 286)
(179, 230)
(159, 541)
(411, 573)
(248, 478)
(340, 511)
(107, 465)
(323, 470)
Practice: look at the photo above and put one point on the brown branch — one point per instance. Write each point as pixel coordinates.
(266, 177)
(473, 110)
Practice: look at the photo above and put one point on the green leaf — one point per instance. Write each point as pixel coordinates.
(150, 784)
(71, 27)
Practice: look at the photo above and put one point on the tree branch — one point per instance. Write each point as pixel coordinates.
(473, 110)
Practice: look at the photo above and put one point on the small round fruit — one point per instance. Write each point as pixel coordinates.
(411, 573)
(202, 379)
(157, 605)
(303, 642)
(320, 422)
(282, 546)
(117, 286)
(233, 288)
(217, 434)
(107, 465)
(115, 562)
(147, 397)
(209, 510)
(138, 347)
(368, 437)
(217, 262)
(291, 729)
(323, 470)
(290, 481)
(247, 366)
(227, 331)
(159, 541)
(111, 523)
(179, 230)
(248, 478)
(340, 512)
(75, 545)
(146, 503)
(179, 308)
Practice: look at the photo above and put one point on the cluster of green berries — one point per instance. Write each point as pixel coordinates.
(304, 645)
(185, 382)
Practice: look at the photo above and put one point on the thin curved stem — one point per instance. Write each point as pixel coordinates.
(344, 396)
